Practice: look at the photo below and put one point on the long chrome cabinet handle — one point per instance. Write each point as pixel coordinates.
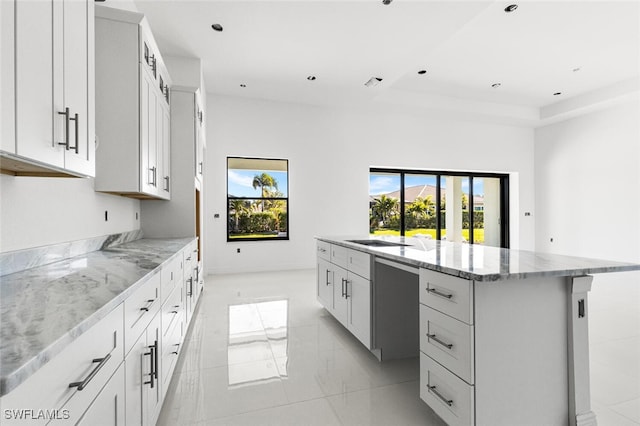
(445, 344)
(346, 288)
(166, 180)
(438, 293)
(101, 362)
(433, 389)
(66, 128)
(328, 276)
(77, 127)
(153, 374)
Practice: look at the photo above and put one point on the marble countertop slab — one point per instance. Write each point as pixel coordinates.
(480, 263)
(43, 309)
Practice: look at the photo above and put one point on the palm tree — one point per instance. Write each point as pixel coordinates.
(238, 207)
(385, 207)
(422, 208)
(264, 181)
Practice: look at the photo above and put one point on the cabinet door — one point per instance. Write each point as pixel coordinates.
(199, 120)
(165, 142)
(7, 77)
(137, 369)
(152, 399)
(148, 142)
(325, 283)
(77, 59)
(340, 300)
(142, 384)
(359, 297)
(34, 83)
(108, 407)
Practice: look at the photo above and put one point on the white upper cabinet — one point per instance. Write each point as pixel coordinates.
(7, 77)
(51, 130)
(132, 108)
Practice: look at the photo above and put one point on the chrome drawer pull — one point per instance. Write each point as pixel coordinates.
(437, 293)
(81, 385)
(146, 308)
(449, 402)
(446, 345)
(177, 345)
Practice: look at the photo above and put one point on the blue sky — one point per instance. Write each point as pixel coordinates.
(239, 182)
(385, 183)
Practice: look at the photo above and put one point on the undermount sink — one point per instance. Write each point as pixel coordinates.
(377, 243)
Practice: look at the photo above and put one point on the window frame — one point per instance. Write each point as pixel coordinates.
(285, 199)
(439, 174)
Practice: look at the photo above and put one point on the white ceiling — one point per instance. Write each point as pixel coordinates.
(465, 46)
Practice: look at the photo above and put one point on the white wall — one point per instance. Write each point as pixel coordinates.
(330, 152)
(42, 211)
(587, 180)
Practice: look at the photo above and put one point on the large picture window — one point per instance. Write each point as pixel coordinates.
(257, 199)
(455, 206)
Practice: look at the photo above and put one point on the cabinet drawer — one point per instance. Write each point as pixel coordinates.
(339, 255)
(324, 250)
(448, 341)
(451, 398)
(359, 262)
(139, 309)
(91, 359)
(448, 294)
(172, 310)
(170, 277)
(171, 345)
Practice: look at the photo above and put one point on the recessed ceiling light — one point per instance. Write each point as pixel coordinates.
(422, 72)
(217, 27)
(243, 85)
(511, 8)
(311, 77)
(557, 93)
(496, 85)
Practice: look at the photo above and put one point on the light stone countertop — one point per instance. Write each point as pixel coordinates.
(480, 263)
(45, 308)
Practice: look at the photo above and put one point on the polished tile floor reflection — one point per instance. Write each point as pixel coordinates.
(262, 351)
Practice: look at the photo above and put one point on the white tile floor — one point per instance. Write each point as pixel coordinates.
(262, 351)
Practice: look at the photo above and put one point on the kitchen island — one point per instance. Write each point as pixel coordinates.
(502, 335)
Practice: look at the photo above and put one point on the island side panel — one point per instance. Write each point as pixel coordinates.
(521, 352)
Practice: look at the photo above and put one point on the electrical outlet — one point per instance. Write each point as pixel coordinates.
(238, 250)
(216, 215)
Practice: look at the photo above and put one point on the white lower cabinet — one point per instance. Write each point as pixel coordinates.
(343, 292)
(448, 395)
(494, 353)
(325, 288)
(108, 407)
(73, 378)
(118, 371)
(192, 279)
(143, 387)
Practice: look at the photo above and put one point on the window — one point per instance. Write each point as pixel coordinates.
(257, 199)
(455, 206)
